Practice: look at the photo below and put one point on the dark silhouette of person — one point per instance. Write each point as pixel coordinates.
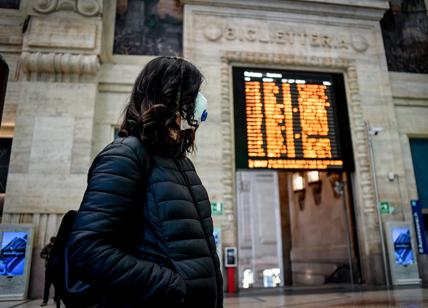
(44, 254)
(143, 235)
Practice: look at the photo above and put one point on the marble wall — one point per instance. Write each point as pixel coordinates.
(67, 88)
(52, 49)
(411, 106)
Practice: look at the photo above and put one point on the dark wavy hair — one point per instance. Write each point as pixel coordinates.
(165, 87)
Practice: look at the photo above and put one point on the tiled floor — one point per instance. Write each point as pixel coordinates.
(413, 298)
(403, 297)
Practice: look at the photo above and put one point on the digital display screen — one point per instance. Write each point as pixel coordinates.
(231, 257)
(12, 253)
(402, 246)
(286, 120)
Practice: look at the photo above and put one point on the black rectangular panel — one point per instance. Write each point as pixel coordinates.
(289, 120)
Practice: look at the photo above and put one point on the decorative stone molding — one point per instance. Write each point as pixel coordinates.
(87, 8)
(361, 9)
(59, 63)
(358, 129)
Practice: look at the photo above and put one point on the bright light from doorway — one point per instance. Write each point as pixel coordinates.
(298, 182)
(313, 176)
(271, 277)
(248, 279)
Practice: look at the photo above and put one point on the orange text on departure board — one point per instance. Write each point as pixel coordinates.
(275, 126)
(313, 104)
(254, 113)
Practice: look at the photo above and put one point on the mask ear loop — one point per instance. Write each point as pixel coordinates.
(173, 133)
(177, 102)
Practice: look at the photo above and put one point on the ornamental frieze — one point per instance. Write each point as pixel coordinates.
(87, 8)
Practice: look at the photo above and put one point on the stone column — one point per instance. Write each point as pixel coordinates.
(51, 149)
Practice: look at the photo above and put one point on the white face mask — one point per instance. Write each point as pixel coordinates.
(200, 113)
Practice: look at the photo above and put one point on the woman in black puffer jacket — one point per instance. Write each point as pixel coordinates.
(143, 236)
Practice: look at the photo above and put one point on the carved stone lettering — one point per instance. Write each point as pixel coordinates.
(326, 41)
(230, 33)
(304, 39)
(343, 44)
(251, 35)
(279, 37)
(315, 40)
(289, 38)
(301, 38)
(264, 37)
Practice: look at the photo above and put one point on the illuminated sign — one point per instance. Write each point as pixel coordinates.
(12, 253)
(286, 120)
(402, 246)
(16, 241)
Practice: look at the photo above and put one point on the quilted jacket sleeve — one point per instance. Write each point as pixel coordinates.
(219, 276)
(99, 245)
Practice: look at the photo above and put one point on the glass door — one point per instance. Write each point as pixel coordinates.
(260, 261)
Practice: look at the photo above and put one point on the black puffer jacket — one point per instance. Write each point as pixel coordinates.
(143, 237)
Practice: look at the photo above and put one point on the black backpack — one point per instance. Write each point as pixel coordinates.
(73, 292)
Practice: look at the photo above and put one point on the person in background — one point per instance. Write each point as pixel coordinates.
(44, 254)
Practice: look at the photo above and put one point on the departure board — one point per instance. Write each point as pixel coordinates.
(287, 120)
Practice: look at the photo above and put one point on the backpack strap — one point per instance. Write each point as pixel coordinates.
(140, 151)
(138, 148)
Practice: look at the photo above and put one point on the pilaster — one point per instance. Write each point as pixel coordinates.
(51, 150)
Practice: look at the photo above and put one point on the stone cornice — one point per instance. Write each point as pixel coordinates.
(88, 8)
(59, 64)
(360, 9)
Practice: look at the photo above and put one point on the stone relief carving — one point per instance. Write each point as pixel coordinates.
(213, 32)
(359, 43)
(59, 63)
(84, 7)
